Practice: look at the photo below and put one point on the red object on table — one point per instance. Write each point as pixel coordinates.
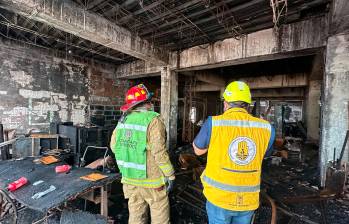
(62, 168)
(17, 184)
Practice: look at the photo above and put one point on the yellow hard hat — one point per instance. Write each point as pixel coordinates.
(237, 91)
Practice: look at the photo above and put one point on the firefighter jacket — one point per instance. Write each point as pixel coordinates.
(139, 145)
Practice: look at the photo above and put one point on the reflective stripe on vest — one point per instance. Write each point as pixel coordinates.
(148, 183)
(242, 124)
(131, 165)
(237, 146)
(131, 141)
(132, 127)
(231, 188)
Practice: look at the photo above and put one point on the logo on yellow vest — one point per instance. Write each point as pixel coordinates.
(242, 150)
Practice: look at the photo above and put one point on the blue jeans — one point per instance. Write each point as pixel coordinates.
(217, 215)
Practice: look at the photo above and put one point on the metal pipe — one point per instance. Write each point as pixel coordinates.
(3, 150)
(273, 207)
(9, 142)
(343, 149)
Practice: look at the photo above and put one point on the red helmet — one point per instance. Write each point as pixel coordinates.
(134, 96)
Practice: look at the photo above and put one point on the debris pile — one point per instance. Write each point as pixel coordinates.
(289, 194)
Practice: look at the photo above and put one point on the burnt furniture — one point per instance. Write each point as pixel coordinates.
(68, 185)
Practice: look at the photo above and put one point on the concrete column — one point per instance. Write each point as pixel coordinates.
(335, 112)
(169, 104)
(312, 110)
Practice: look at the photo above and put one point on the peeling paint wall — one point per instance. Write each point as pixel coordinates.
(37, 88)
(307, 34)
(335, 109)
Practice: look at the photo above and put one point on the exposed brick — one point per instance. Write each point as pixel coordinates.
(108, 112)
(99, 107)
(115, 121)
(28, 72)
(116, 112)
(97, 112)
(109, 117)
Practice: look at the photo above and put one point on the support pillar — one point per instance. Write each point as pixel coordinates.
(313, 110)
(335, 119)
(169, 104)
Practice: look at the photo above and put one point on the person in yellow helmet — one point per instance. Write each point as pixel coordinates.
(236, 143)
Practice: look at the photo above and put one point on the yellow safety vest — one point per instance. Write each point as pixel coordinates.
(237, 146)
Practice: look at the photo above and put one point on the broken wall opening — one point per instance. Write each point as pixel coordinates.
(287, 93)
(280, 92)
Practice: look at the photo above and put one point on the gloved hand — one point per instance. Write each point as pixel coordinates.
(110, 162)
(169, 183)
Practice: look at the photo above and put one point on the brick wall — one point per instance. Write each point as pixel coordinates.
(38, 87)
(107, 96)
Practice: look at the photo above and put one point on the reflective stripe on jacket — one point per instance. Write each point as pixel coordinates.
(130, 152)
(158, 163)
(237, 146)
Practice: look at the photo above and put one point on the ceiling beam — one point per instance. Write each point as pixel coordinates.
(204, 87)
(210, 78)
(69, 17)
(175, 9)
(206, 19)
(285, 93)
(339, 17)
(143, 9)
(194, 15)
(276, 81)
(94, 3)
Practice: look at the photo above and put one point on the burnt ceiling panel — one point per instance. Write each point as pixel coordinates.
(169, 24)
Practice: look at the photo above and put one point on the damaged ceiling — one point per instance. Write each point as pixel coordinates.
(170, 24)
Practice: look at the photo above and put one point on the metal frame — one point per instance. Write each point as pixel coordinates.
(83, 161)
(6, 204)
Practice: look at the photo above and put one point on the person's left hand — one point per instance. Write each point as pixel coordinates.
(170, 183)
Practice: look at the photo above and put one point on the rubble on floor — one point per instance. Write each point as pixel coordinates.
(289, 188)
(289, 193)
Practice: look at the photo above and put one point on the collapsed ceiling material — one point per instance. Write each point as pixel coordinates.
(171, 24)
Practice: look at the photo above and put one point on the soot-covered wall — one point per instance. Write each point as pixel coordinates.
(37, 88)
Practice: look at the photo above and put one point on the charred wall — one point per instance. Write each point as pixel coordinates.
(38, 87)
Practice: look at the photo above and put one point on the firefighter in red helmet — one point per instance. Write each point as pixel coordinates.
(139, 145)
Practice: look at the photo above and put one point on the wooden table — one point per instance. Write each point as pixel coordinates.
(43, 136)
(68, 186)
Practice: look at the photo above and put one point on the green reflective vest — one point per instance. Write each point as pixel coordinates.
(131, 141)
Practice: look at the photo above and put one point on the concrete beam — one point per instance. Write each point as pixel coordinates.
(70, 17)
(276, 81)
(137, 69)
(204, 87)
(305, 37)
(339, 17)
(285, 93)
(260, 82)
(169, 104)
(211, 78)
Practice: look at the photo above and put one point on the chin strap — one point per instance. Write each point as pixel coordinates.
(123, 117)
